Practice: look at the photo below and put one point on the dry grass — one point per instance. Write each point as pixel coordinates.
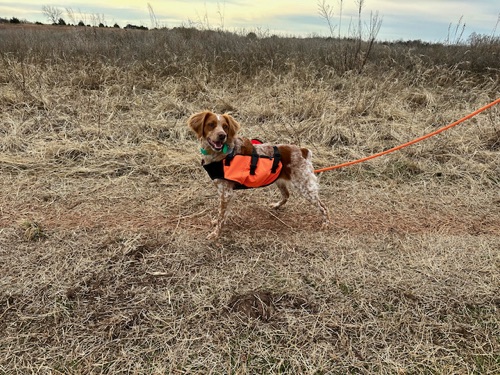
(104, 212)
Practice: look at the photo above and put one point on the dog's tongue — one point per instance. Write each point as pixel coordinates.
(218, 145)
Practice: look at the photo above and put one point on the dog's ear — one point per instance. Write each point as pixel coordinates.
(234, 127)
(196, 122)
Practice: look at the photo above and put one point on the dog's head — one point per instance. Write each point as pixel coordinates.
(214, 130)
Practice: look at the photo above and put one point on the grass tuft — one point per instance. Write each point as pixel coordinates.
(33, 231)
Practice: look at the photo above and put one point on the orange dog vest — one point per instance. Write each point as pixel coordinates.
(248, 171)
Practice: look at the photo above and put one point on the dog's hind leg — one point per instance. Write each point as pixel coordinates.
(285, 194)
(308, 187)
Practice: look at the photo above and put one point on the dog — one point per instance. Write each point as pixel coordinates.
(218, 136)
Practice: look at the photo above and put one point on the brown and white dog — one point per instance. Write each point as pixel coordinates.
(217, 134)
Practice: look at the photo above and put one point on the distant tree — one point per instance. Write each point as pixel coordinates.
(116, 26)
(14, 20)
(52, 13)
(61, 22)
(97, 19)
(101, 25)
(135, 27)
(81, 23)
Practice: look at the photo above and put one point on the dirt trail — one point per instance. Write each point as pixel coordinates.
(355, 220)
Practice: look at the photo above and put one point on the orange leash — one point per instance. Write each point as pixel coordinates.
(469, 116)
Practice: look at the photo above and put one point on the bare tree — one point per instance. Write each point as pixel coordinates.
(373, 30)
(326, 11)
(52, 13)
(71, 15)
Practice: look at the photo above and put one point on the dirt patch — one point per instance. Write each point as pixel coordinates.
(255, 305)
(264, 305)
(355, 220)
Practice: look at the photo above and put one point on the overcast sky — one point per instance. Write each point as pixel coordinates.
(427, 20)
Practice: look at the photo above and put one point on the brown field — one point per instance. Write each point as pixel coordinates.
(104, 208)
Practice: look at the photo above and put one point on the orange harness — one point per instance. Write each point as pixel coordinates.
(248, 171)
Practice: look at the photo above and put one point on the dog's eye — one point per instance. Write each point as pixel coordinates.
(225, 127)
(210, 125)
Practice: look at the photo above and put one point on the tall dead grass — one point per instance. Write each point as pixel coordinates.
(104, 209)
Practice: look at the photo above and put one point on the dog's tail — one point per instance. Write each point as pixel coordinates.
(306, 153)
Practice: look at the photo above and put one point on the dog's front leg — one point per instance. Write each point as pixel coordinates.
(225, 190)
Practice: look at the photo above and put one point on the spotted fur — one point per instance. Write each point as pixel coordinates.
(216, 130)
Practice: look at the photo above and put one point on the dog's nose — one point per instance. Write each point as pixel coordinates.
(222, 137)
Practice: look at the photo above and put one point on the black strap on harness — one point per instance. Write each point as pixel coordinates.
(214, 170)
(254, 161)
(276, 159)
(229, 157)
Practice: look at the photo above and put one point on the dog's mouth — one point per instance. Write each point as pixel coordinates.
(216, 145)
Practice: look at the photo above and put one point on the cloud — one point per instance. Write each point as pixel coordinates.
(424, 19)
